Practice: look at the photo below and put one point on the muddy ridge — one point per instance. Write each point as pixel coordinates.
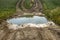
(35, 9)
(36, 6)
(29, 33)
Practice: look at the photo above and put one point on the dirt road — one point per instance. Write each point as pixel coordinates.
(30, 34)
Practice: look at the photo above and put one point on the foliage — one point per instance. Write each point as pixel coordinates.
(6, 14)
(28, 4)
(52, 10)
(7, 8)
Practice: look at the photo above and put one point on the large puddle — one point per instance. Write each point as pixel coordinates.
(25, 20)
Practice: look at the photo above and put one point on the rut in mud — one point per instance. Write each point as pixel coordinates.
(36, 7)
(29, 33)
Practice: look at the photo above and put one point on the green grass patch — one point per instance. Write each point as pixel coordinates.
(8, 3)
(28, 4)
(6, 14)
(27, 16)
(7, 8)
(52, 10)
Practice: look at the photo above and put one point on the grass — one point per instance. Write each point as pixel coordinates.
(7, 8)
(52, 10)
(27, 16)
(6, 14)
(28, 4)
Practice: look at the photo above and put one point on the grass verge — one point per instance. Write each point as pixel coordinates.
(7, 8)
(52, 10)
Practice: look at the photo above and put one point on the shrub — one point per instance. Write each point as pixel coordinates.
(53, 15)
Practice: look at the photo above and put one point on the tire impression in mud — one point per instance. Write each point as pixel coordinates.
(35, 6)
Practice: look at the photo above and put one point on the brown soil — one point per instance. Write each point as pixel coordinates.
(30, 34)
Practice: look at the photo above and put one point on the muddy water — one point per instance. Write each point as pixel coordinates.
(25, 20)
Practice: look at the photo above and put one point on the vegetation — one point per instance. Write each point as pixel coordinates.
(52, 10)
(27, 4)
(7, 8)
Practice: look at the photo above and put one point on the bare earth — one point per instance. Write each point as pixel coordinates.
(30, 33)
